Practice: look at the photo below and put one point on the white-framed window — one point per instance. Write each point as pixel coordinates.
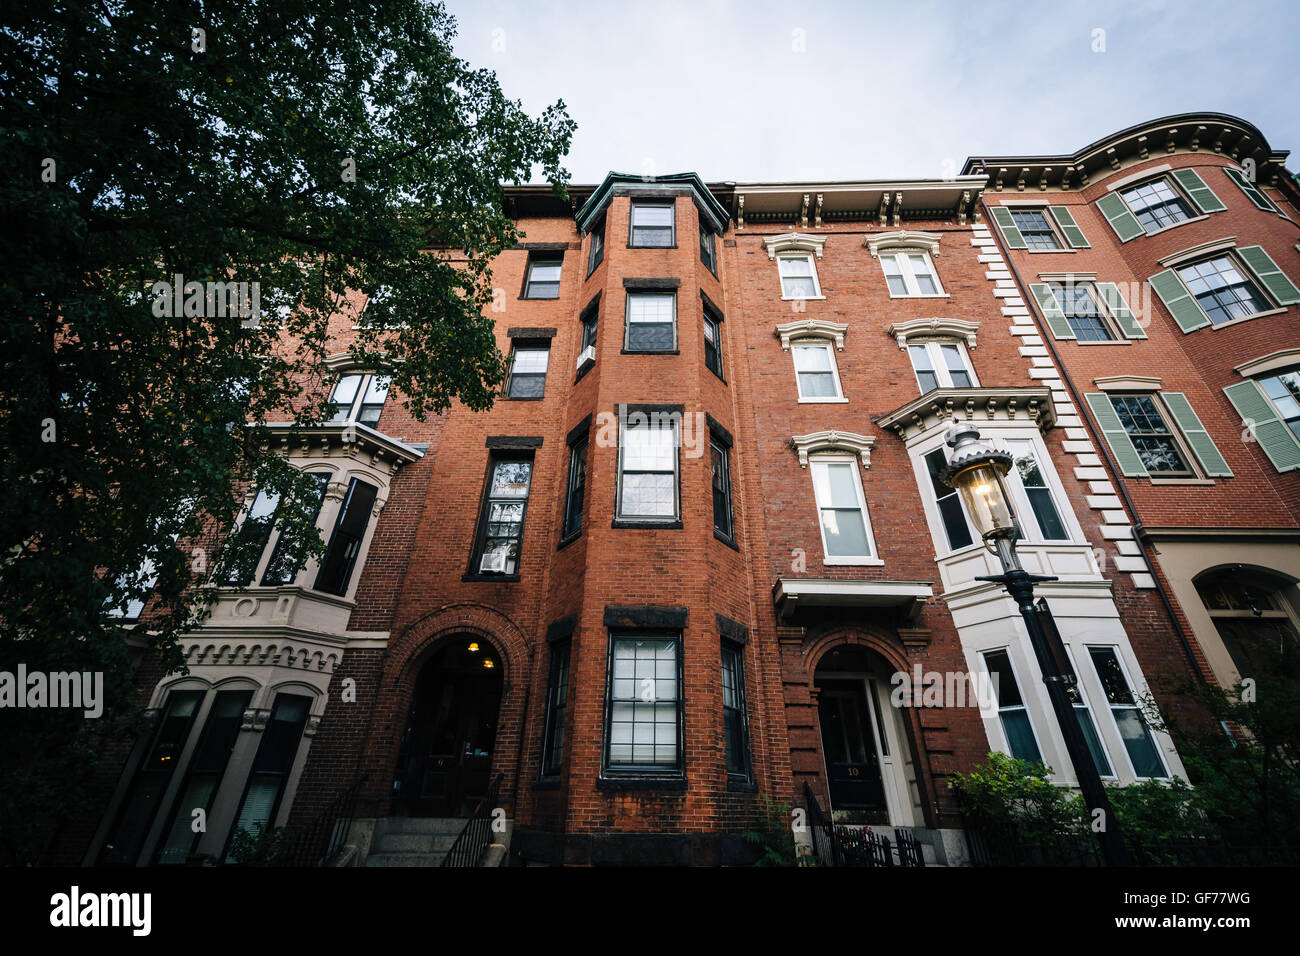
(842, 511)
(815, 372)
(1087, 723)
(653, 226)
(798, 276)
(528, 366)
(1013, 713)
(647, 467)
(359, 397)
(910, 273)
(1035, 493)
(941, 365)
(1139, 742)
(651, 322)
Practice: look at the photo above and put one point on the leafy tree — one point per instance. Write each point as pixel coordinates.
(309, 146)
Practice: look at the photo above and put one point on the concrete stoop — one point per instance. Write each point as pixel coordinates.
(413, 841)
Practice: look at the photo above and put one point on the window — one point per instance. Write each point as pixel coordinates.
(948, 501)
(1283, 390)
(712, 341)
(345, 543)
(1035, 228)
(708, 250)
(1034, 484)
(271, 766)
(815, 372)
(1156, 205)
(1083, 713)
(735, 726)
(798, 277)
(586, 359)
(249, 541)
(846, 533)
(1012, 712)
(1145, 444)
(573, 497)
(1086, 320)
(644, 712)
(543, 279)
(528, 371)
(647, 470)
(359, 398)
(940, 365)
(557, 702)
(722, 523)
(1222, 290)
(207, 767)
(1151, 436)
(501, 526)
(1130, 723)
(280, 569)
(129, 831)
(651, 322)
(653, 226)
(910, 274)
(596, 251)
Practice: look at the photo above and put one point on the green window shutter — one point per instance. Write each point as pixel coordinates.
(1073, 234)
(1182, 305)
(1051, 310)
(1117, 213)
(1266, 270)
(1202, 445)
(1010, 234)
(1258, 414)
(1201, 194)
(1120, 311)
(1252, 191)
(1130, 462)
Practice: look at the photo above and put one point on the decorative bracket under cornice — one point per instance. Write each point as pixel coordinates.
(902, 237)
(812, 329)
(932, 328)
(794, 242)
(833, 441)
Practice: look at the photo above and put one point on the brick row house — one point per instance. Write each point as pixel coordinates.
(671, 576)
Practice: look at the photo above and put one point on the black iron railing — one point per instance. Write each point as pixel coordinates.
(337, 821)
(477, 834)
(835, 844)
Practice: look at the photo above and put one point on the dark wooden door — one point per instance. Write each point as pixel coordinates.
(852, 765)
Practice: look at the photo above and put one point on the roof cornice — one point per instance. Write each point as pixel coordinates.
(712, 210)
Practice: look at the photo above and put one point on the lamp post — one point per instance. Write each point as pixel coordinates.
(977, 470)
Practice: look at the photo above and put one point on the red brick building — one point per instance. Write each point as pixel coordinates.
(673, 573)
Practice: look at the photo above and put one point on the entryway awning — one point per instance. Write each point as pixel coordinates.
(792, 595)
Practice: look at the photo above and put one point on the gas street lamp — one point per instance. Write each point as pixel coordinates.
(978, 470)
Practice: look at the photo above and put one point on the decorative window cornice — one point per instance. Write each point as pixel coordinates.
(852, 442)
(933, 410)
(812, 329)
(344, 362)
(794, 242)
(934, 328)
(1203, 249)
(1272, 362)
(348, 440)
(901, 238)
(1128, 383)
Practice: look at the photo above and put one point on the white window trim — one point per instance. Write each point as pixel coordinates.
(1195, 214)
(934, 349)
(676, 516)
(1158, 739)
(823, 458)
(367, 376)
(1062, 243)
(838, 398)
(901, 257)
(1079, 682)
(812, 266)
(996, 717)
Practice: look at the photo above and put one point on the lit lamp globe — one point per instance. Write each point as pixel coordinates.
(977, 470)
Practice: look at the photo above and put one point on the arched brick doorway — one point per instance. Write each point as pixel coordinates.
(444, 761)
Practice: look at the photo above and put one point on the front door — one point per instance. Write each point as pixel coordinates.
(852, 764)
(445, 761)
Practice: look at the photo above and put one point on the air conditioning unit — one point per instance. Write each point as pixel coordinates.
(494, 561)
(587, 357)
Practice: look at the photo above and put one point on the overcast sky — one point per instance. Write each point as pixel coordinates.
(766, 91)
